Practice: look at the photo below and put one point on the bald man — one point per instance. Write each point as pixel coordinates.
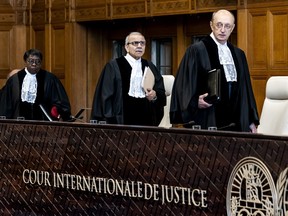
(236, 110)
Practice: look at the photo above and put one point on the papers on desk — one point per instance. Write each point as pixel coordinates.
(148, 80)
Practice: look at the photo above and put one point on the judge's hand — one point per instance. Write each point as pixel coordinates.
(151, 95)
(253, 128)
(203, 104)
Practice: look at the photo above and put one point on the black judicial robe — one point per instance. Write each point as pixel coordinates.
(238, 108)
(50, 92)
(2, 107)
(113, 104)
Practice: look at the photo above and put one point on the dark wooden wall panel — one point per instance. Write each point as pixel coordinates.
(5, 43)
(259, 45)
(279, 40)
(58, 51)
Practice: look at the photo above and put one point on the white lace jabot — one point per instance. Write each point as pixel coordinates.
(226, 59)
(135, 89)
(29, 88)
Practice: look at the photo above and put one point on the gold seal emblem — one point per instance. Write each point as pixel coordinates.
(251, 190)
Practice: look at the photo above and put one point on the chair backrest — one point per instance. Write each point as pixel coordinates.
(11, 73)
(168, 83)
(274, 116)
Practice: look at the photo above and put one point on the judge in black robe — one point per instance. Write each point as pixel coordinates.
(50, 93)
(2, 109)
(111, 100)
(236, 109)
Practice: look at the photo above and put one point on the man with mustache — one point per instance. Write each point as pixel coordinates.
(119, 96)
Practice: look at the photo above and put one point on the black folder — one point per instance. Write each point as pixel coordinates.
(213, 86)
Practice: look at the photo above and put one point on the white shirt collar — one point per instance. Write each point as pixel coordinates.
(131, 60)
(27, 72)
(218, 44)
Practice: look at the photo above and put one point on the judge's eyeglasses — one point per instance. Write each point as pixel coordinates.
(220, 25)
(136, 43)
(34, 61)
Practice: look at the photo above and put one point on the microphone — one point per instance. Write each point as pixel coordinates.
(45, 113)
(189, 123)
(78, 115)
(227, 126)
(73, 118)
(186, 125)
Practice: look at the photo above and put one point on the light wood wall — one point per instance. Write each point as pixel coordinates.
(263, 35)
(75, 36)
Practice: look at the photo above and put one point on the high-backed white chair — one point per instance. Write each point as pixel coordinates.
(274, 116)
(168, 83)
